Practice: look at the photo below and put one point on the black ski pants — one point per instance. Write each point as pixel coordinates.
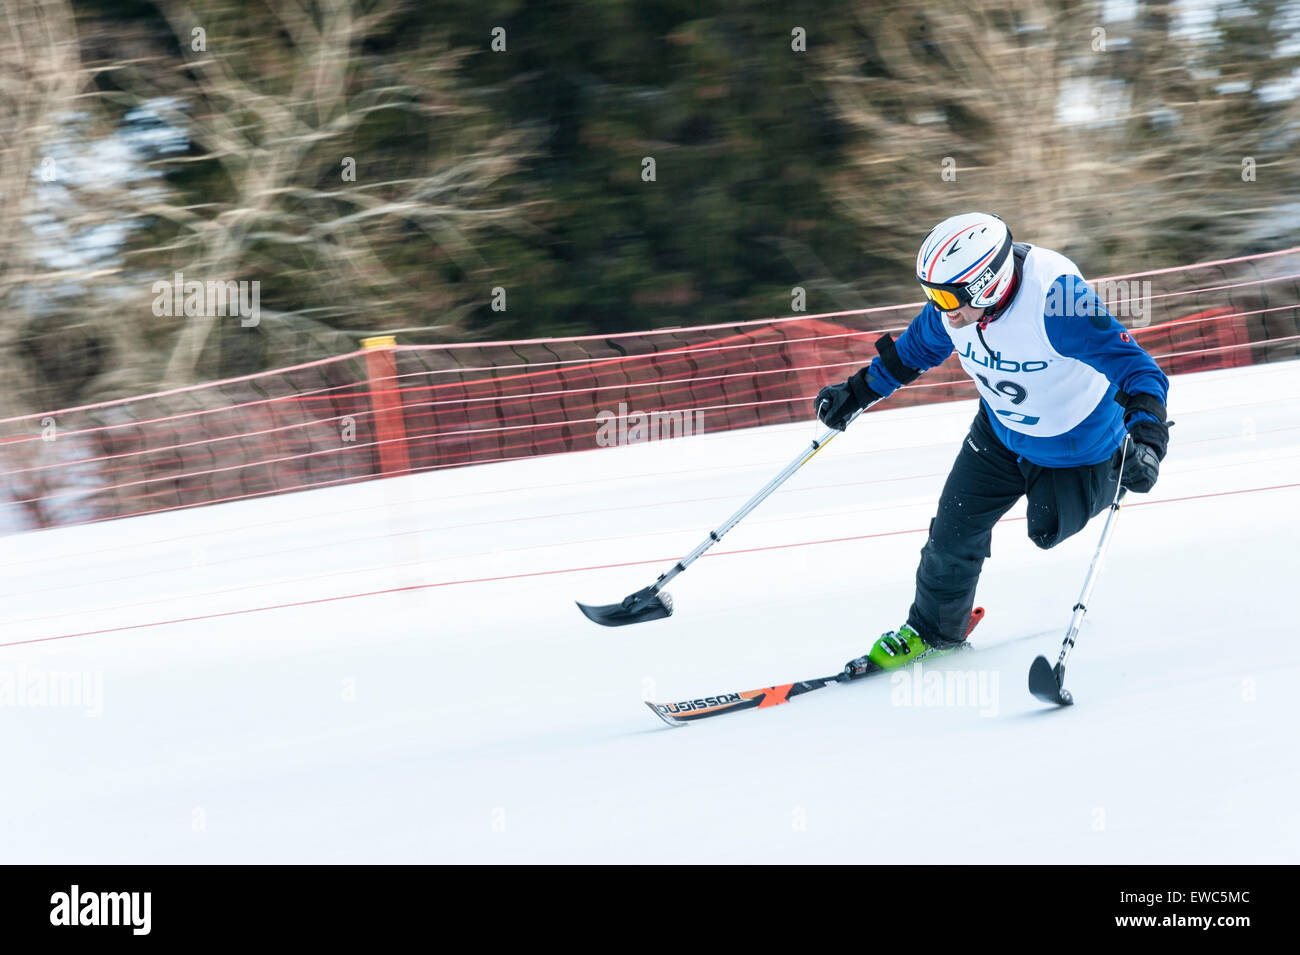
(985, 481)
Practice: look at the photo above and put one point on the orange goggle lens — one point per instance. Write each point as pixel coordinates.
(946, 301)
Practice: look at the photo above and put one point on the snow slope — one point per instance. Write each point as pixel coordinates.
(488, 721)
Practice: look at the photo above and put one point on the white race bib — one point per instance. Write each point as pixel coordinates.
(1028, 385)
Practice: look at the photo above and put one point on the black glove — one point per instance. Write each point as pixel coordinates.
(1149, 442)
(835, 404)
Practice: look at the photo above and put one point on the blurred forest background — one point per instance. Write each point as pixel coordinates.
(807, 144)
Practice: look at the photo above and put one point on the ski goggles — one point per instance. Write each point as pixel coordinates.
(947, 298)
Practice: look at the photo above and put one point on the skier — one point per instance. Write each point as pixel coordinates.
(1061, 383)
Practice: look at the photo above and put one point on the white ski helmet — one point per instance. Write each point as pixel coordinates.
(966, 260)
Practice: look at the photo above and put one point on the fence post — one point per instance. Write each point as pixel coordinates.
(386, 405)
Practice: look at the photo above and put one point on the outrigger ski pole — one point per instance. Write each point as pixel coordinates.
(1047, 682)
(653, 602)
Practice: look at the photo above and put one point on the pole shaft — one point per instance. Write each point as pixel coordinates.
(716, 535)
(1094, 569)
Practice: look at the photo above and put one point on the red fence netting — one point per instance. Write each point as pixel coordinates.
(400, 409)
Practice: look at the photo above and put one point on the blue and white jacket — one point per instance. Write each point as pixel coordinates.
(1048, 366)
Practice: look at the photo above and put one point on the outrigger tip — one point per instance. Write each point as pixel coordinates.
(645, 604)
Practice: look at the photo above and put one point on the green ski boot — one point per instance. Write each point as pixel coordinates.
(901, 647)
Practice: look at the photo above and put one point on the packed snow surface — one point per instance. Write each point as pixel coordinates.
(396, 671)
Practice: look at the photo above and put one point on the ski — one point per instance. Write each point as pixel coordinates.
(687, 711)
